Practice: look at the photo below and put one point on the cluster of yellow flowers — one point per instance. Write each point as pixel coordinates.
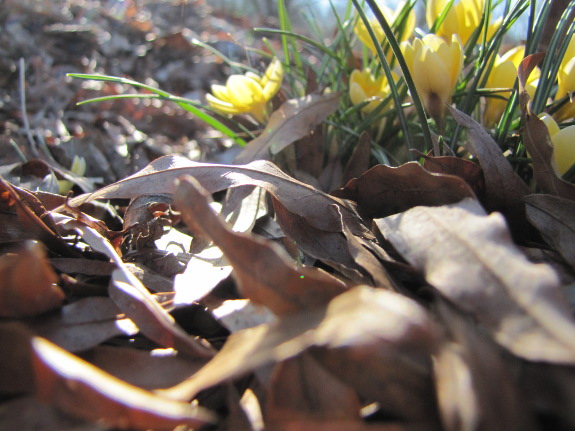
(435, 62)
(249, 93)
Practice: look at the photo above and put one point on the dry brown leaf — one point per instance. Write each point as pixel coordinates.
(359, 160)
(204, 271)
(476, 384)
(207, 268)
(159, 368)
(550, 392)
(28, 283)
(152, 320)
(504, 189)
(84, 391)
(537, 141)
(30, 414)
(264, 272)
(294, 120)
(332, 248)
(309, 154)
(135, 300)
(84, 324)
(465, 169)
(298, 197)
(24, 217)
(15, 360)
(384, 190)
(301, 390)
(237, 314)
(470, 258)
(553, 217)
(377, 341)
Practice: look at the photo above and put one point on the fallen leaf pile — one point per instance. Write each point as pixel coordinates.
(235, 296)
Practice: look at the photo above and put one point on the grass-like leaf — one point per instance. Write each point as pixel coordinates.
(187, 104)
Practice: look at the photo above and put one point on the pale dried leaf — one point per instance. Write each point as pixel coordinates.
(87, 392)
(135, 300)
(381, 339)
(294, 120)
(470, 258)
(238, 314)
(84, 324)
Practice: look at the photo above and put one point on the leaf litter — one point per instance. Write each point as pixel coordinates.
(185, 285)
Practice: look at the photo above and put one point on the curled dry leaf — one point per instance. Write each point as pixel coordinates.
(537, 141)
(294, 120)
(465, 169)
(79, 388)
(504, 189)
(553, 217)
(28, 283)
(298, 197)
(470, 258)
(264, 272)
(384, 190)
(376, 341)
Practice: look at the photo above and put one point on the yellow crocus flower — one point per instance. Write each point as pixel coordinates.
(502, 76)
(463, 18)
(435, 66)
(390, 15)
(566, 82)
(563, 144)
(248, 93)
(363, 86)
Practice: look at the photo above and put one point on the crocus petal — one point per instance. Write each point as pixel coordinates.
(221, 92)
(551, 124)
(566, 79)
(502, 75)
(272, 79)
(564, 148)
(243, 91)
(356, 93)
(432, 77)
(222, 106)
(463, 18)
(408, 52)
